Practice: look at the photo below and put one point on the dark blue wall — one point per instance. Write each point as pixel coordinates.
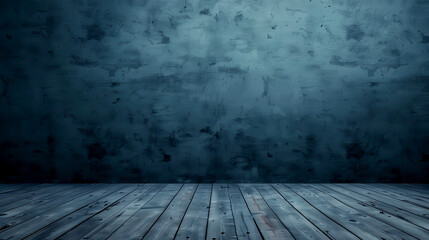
(203, 90)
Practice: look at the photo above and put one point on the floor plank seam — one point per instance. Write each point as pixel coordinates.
(208, 214)
(215, 211)
(381, 210)
(113, 232)
(187, 207)
(325, 214)
(162, 212)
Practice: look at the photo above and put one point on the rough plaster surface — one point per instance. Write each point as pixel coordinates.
(203, 90)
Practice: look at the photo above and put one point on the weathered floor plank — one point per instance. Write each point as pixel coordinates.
(415, 187)
(41, 196)
(22, 194)
(325, 224)
(244, 223)
(268, 223)
(399, 196)
(382, 212)
(383, 206)
(69, 221)
(168, 223)
(37, 223)
(297, 224)
(419, 211)
(348, 217)
(18, 215)
(214, 211)
(221, 220)
(9, 188)
(140, 223)
(109, 221)
(194, 224)
(403, 191)
(94, 222)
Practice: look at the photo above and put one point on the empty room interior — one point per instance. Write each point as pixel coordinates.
(214, 119)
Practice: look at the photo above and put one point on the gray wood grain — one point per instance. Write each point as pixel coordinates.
(10, 188)
(67, 222)
(140, 223)
(325, 224)
(194, 223)
(221, 221)
(28, 227)
(18, 215)
(22, 193)
(421, 188)
(296, 223)
(382, 212)
(385, 207)
(402, 196)
(83, 228)
(359, 223)
(168, 223)
(404, 191)
(419, 211)
(40, 197)
(269, 225)
(214, 211)
(244, 223)
(108, 222)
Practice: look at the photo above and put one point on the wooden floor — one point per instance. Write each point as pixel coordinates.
(214, 211)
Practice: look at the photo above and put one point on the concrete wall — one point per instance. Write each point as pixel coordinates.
(204, 90)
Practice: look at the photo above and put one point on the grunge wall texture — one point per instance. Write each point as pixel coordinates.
(204, 91)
